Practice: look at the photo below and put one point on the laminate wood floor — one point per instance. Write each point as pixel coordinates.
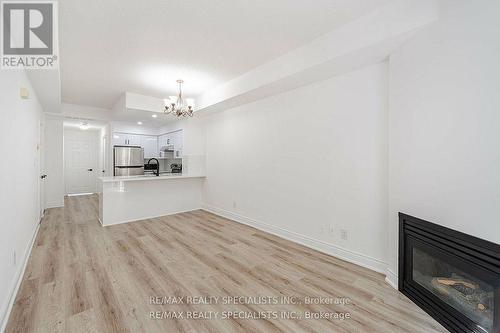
(82, 277)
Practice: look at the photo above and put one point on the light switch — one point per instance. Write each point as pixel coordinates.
(24, 93)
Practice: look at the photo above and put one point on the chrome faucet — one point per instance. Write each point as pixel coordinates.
(157, 166)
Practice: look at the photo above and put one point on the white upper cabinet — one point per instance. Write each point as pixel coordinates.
(134, 140)
(120, 139)
(126, 139)
(150, 145)
(164, 140)
(173, 139)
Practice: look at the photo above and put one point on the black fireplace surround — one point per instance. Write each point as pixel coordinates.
(452, 276)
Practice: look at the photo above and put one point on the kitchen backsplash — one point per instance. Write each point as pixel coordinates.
(165, 163)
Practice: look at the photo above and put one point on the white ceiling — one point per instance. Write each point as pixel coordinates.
(108, 47)
(145, 117)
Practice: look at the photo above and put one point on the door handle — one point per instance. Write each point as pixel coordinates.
(89, 169)
(43, 176)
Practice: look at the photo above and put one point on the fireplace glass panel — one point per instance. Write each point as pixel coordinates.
(467, 294)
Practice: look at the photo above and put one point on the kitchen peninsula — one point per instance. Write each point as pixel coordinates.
(133, 198)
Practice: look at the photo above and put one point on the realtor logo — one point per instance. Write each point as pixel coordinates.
(29, 34)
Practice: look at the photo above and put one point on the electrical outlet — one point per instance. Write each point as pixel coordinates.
(343, 234)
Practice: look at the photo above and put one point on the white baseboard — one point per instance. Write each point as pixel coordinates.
(319, 245)
(391, 278)
(54, 204)
(19, 278)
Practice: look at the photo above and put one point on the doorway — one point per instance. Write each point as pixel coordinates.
(81, 161)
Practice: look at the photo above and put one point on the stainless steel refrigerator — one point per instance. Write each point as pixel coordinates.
(128, 161)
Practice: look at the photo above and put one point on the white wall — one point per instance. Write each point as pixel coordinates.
(173, 126)
(84, 111)
(129, 127)
(298, 162)
(54, 161)
(445, 124)
(19, 179)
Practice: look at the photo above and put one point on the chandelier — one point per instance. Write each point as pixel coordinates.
(177, 106)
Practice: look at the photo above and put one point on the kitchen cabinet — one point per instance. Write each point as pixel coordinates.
(173, 139)
(126, 139)
(134, 140)
(166, 139)
(148, 142)
(163, 140)
(150, 145)
(120, 139)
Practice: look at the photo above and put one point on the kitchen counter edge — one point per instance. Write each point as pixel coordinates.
(141, 178)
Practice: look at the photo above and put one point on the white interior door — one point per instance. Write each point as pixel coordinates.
(80, 159)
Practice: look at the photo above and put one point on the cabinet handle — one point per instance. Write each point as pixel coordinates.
(89, 169)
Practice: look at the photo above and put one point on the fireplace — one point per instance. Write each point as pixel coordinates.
(452, 276)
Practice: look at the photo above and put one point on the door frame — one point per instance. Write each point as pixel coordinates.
(41, 166)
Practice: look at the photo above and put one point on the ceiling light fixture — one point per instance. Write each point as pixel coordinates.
(154, 116)
(84, 126)
(177, 106)
(139, 123)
